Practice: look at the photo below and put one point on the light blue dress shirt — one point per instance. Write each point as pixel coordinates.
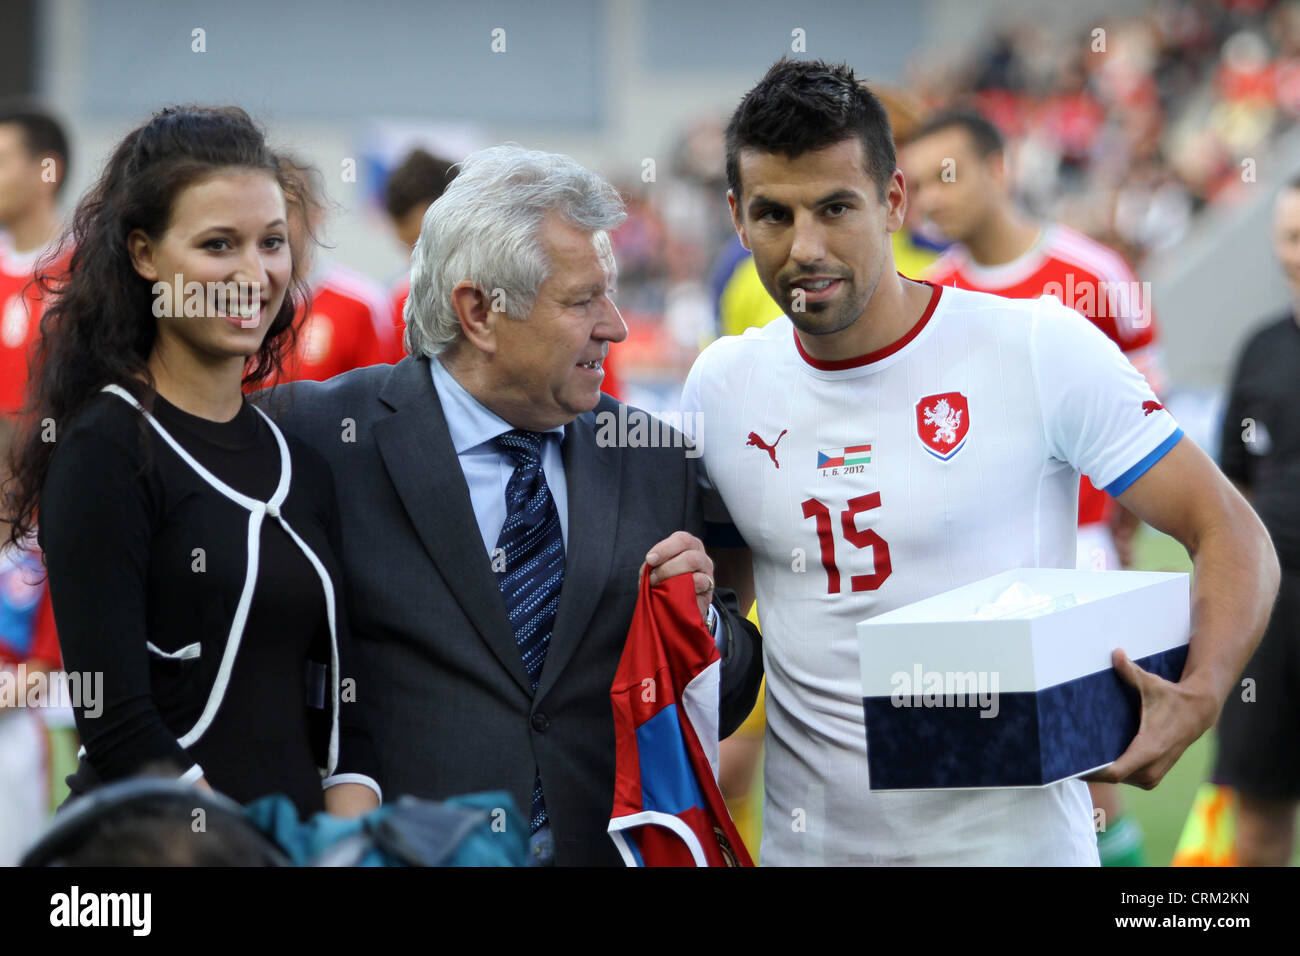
(487, 468)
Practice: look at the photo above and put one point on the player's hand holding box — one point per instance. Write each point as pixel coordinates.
(1008, 682)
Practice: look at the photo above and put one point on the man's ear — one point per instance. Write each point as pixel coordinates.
(477, 318)
(140, 248)
(734, 206)
(895, 202)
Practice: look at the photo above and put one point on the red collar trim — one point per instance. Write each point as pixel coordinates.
(876, 356)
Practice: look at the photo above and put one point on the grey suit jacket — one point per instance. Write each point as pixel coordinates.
(441, 677)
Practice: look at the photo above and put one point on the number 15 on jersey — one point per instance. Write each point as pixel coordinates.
(853, 535)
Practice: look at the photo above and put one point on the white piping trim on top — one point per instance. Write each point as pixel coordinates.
(187, 653)
(654, 818)
(257, 512)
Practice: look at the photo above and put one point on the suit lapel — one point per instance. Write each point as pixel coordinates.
(416, 449)
(591, 477)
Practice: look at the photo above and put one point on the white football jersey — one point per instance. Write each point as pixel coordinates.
(864, 485)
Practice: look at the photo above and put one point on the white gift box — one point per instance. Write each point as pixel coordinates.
(1016, 697)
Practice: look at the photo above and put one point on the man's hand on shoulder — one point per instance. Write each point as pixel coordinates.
(682, 553)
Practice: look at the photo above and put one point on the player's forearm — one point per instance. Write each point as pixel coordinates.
(1233, 589)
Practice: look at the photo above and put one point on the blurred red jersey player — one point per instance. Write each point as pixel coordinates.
(33, 168)
(34, 157)
(20, 318)
(956, 178)
(345, 323)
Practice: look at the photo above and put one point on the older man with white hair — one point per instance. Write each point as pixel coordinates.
(491, 545)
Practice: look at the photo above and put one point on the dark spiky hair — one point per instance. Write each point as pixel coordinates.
(803, 105)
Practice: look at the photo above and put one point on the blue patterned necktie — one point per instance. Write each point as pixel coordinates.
(533, 548)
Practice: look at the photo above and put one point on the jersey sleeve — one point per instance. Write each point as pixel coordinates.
(1136, 330)
(1099, 413)
(1150, 361)
(95, 530)
(695, 423)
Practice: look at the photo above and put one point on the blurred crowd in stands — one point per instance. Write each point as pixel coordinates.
(1125, 130)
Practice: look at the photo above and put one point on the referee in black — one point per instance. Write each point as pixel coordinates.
(1259, 729)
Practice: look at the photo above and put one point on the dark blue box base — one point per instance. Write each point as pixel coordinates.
(1035, 739)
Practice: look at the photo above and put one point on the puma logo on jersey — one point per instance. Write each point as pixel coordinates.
(758, 442)
(1149, 407)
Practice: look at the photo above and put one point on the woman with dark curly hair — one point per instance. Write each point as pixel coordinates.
(190, 544)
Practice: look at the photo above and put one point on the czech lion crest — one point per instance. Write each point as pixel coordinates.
(942, 423)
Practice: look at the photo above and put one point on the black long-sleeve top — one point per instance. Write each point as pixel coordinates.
(147, 563)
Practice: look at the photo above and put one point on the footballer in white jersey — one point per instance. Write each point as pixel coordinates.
(864, 485)
(891, 440)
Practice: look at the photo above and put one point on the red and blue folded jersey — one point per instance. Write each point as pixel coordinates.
(668, 810)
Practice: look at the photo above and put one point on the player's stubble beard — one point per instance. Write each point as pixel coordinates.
(827, 318)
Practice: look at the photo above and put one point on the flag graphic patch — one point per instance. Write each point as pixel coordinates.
(848, 455)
